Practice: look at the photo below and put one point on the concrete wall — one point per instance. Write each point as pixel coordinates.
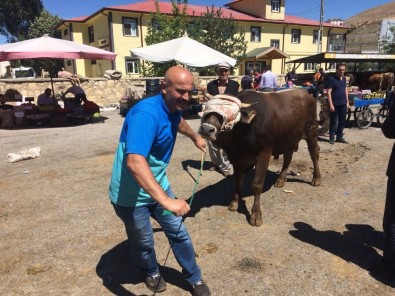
(100, 90)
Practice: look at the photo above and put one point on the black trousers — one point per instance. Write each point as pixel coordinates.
(389, 226)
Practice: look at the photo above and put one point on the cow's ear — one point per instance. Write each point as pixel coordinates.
(247, 116)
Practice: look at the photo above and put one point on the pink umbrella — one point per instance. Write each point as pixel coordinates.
(52, 48)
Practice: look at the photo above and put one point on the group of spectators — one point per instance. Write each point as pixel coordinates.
(265, 81)
(79, 100)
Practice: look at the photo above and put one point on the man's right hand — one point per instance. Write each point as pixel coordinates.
(178, 207)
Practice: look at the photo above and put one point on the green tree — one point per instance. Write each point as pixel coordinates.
(45, 23)
(210, 28)
(220, 33)
(389, 44)
(16, 16)
(163, 28)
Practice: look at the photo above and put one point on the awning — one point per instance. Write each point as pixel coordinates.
(333, 57)
(266, 53)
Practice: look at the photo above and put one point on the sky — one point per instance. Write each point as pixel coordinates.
(310, 9)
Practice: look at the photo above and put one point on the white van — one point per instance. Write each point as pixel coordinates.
(23, 72)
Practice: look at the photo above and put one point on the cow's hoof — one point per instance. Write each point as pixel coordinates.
(233, 207)
(279, 183)
(256, 221)
(316, 182)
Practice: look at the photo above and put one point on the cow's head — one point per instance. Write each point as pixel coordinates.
(221, 113)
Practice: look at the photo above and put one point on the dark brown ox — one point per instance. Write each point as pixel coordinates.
(270, 124)
(381, 81)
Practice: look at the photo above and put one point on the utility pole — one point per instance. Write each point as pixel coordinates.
(321, 30)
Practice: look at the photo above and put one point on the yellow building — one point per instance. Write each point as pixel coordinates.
(272, 36)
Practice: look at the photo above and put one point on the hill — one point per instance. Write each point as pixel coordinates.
(372, 15)
(367, 25)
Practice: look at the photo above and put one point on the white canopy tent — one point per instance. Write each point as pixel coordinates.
(183, 50)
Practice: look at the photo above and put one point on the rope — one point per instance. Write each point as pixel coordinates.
(203, 156)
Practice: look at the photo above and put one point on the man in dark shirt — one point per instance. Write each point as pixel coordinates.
(338, 104)
(247, 81)
(291, 78)
(388, 260)
(222, 85)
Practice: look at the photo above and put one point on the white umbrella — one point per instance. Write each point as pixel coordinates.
(52, 48)
(185, 51)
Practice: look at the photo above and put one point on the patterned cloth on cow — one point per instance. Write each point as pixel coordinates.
(227, 106)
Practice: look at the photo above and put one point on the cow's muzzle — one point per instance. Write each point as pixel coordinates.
(208, 131)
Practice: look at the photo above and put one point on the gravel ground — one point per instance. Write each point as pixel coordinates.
(60, 236)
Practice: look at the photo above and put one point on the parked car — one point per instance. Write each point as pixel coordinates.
(23, 72)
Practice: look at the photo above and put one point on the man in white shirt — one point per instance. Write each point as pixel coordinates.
(268, 80)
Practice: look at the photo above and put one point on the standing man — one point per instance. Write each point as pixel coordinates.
(268, 80)
(78, 92)
(388, 262)
(247, 81)
(338, 104)
(291, 78)
(319, 80)
(257, 79)
(139, 185)
(222, 85)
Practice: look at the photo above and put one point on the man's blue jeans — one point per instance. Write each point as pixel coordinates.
(337, 121)
(139, 231)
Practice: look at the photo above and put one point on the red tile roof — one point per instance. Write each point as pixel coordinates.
(166, 8)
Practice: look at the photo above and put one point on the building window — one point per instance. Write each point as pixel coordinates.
(91, 34)
(315, 36)
(255, 34)
(68, 63)
(65, 32)
(132, 66)
(228, 33)
(129, 26)
(258, 66)
(296, 36)
(275, 5)
(93, 62)
(155, 25)
(310, 66)
(275, 43)
(57, 34)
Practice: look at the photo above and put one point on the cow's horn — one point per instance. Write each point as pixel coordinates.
(244, 105)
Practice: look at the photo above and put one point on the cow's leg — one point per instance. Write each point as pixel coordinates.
(239, 177)
(257, 186)
(282, 178)
(312, 144)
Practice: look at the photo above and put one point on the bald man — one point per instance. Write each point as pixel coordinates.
(139, 186)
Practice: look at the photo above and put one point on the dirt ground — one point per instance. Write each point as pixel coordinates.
(60, 235)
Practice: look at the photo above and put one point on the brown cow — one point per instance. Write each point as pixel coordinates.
(381, 81)
(267, 124)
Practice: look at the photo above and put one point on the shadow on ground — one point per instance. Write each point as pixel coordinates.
(221, 193)
(357, 244)
(116, 268)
